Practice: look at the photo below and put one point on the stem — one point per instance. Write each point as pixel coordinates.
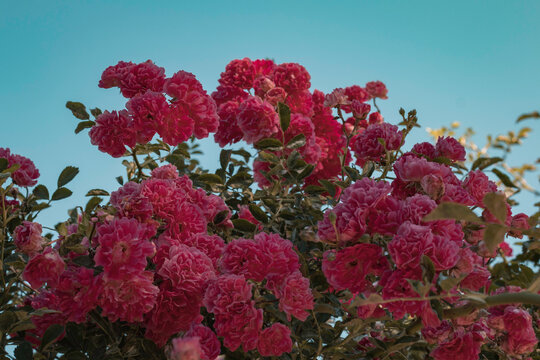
(139, 168)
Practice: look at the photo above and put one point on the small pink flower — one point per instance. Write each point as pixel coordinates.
(295, 296)
(148, 110)
(336, 98)
(377, 89)
(27, 237)
(123, 248)
(133, 79)
(275, 340)
(257, 119)
(450, 148)
(239, 73)
(113, 132)
(292, 77)
(185, 348)
(521, 338)
(409, 244)
(360, 110)
(462, 345)
(210, 345)
(245, 257)
(368, 146)
(44, 267)
(228, 131)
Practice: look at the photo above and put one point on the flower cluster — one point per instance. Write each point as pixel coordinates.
(189, 110)
(198, 268)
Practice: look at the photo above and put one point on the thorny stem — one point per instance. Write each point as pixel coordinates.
(139, 168)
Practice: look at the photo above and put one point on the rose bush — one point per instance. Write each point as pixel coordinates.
(326, 239)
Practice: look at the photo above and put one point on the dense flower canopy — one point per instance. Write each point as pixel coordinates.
(348, 245)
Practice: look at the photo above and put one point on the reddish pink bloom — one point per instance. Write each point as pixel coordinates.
(211, 245)
(375, 118)
(129, 202)
(477, 279)
(283, 259)
(168, 171)
(425, 149)
(300, 102)
(175, 310)
(521, 338)
(275, 340)
(210, 345)
(129, 298)
(348, 268)
(77, 292)
(262, 85)
(360, 110)
(358, 93)
(148, 110)
(462, 345)
(228, 131)
(123, 248)
(48, 300)
(240, 327)
(191, 104)
(257, 119)
(227, 290)
(239, 73)
(26, 174)
(478, 185)
(519, 223)
(336, 98)
(229, 93)
(450, 148)
(245, 257)
(367, 145)
(133, 79)
(44, 267)
(264, 67)
(436, 335)
(295, 296)
(409, 244)
(292, 77)
(376, 89)
(164, 197)
(275, 95)
(27, 237)
(185, 348)
(113, 132)
(187, 268)
(444, 253)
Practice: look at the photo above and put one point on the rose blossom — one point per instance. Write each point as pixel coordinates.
(27, 237)
(44, 267)
(275, 340)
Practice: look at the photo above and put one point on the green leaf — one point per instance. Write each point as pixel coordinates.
(61, 193)
(269, 143)
(210, 179)
(51, 335)
(504, 178)
(3, 164)
(120, 180)
(97, 192)
(220, 217)
(24, 351)
(330, 188)
(483, 162)
(258, 213)
(314, 189)
(67, 175)
(41, 192)
(224, 158)
(244, 225)
(95, 112)
(297, 142)
(84, 125)
(531, 115)
(284, 116)
(494, 235)
(7, 319)
(306, 172)
(449, 210)
(268, 157)
(92, 203)
(78, 110)
(496, 204)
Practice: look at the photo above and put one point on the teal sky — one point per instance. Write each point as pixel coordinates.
(470, 61)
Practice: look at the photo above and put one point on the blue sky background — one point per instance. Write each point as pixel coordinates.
(470, 61)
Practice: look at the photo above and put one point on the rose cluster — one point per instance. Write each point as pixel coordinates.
(383, 245)
(155, 264)
(175, 108)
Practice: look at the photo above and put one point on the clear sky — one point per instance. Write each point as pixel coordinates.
(476, 62)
